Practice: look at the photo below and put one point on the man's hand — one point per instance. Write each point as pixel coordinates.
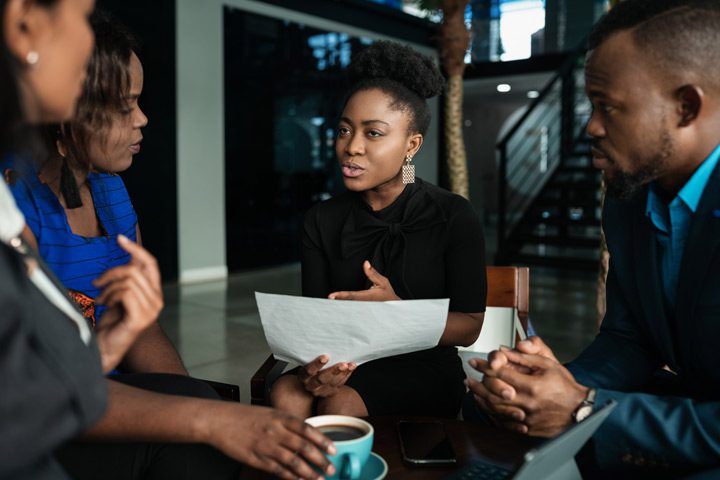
(133, 295)
(529, 393)
(381, 290)
(534, 346)
(503, 414)
(325, 383)
(496, 402)
(268, 440)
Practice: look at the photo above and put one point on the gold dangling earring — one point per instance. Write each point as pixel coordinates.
(408, 170)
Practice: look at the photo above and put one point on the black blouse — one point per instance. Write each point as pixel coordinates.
(429, 243)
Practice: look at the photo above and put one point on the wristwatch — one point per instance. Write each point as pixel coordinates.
(586, 407)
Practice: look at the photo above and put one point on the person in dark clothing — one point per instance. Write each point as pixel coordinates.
(390, 237)
(653, 77)
(51, 366)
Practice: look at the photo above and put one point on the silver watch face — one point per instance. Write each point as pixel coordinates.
(583, 412)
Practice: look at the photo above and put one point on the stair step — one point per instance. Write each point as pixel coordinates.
(582, 184)
(551, 202)
(551, 215)
(579, 169)
(586, 221)
(580, 242)
(571, 263)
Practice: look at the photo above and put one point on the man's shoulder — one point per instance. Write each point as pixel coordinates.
(618, 214)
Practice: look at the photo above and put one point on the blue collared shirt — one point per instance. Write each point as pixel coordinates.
(672, 223)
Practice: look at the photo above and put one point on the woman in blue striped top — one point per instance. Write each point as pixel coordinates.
(75, 203)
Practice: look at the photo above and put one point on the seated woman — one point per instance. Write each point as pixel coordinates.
(390, 237)
(53, 388)
(76, 205)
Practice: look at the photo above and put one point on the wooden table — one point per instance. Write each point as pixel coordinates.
(471, 442)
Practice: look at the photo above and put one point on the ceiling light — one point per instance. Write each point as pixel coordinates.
(533, 94)
(504, 88)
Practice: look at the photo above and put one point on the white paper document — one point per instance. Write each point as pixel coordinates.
(299, 329)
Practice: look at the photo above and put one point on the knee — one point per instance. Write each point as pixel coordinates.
(282, 389)
(345, 402)
(286, 390)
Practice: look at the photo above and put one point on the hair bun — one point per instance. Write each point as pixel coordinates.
(400, 63)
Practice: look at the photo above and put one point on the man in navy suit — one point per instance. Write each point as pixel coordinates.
(653, 77)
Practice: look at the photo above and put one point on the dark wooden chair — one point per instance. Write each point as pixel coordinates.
(510, 287)
(507, 287)
(227, 391)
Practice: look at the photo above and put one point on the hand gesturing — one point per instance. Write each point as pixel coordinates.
(381, 290)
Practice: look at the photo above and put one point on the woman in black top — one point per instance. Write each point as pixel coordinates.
(387, 240)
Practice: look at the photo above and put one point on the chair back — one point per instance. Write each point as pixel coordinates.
(509, 287)
(506, 315)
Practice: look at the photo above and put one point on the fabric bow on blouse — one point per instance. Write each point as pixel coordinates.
(385, 231)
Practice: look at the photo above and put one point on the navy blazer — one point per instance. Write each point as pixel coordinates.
(636, 339)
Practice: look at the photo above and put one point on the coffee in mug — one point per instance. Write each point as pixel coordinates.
(339, 433)
(353, 439)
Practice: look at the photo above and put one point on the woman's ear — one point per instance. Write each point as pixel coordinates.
(414, 143)
(23, 22)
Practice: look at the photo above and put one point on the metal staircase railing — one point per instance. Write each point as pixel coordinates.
(545, 139)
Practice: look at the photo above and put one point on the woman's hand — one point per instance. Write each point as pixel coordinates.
(325, 383)
(134, 299)
(269, 440)
(381, 290)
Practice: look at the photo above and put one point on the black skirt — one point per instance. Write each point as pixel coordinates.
(425, 383)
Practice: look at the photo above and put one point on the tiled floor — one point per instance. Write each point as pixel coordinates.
(217, 331)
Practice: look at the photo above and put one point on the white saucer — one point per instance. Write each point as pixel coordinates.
(375, 468)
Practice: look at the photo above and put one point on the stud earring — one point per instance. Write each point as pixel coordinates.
(32, 57)
(408, 171)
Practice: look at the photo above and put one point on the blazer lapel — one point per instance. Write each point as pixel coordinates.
(647, 279)
(701, 246)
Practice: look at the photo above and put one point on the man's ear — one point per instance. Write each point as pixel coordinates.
(689, 103)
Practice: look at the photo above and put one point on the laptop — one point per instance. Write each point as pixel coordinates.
(553, 460)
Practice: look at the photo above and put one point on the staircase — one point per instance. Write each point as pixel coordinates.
(549, 193)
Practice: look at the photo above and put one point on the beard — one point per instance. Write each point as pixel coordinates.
(624, 185)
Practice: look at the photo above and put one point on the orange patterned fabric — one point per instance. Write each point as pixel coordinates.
(86, 305)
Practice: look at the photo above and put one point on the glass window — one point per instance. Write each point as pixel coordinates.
(519, 20)
(284, 90)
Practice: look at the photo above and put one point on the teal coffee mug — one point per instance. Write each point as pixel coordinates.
(353, 439)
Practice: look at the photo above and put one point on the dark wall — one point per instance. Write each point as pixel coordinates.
(284, 91)
(152, 179)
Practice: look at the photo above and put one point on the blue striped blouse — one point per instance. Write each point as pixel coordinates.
(76, 260)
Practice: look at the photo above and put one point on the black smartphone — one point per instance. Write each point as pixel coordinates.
(425, 443)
